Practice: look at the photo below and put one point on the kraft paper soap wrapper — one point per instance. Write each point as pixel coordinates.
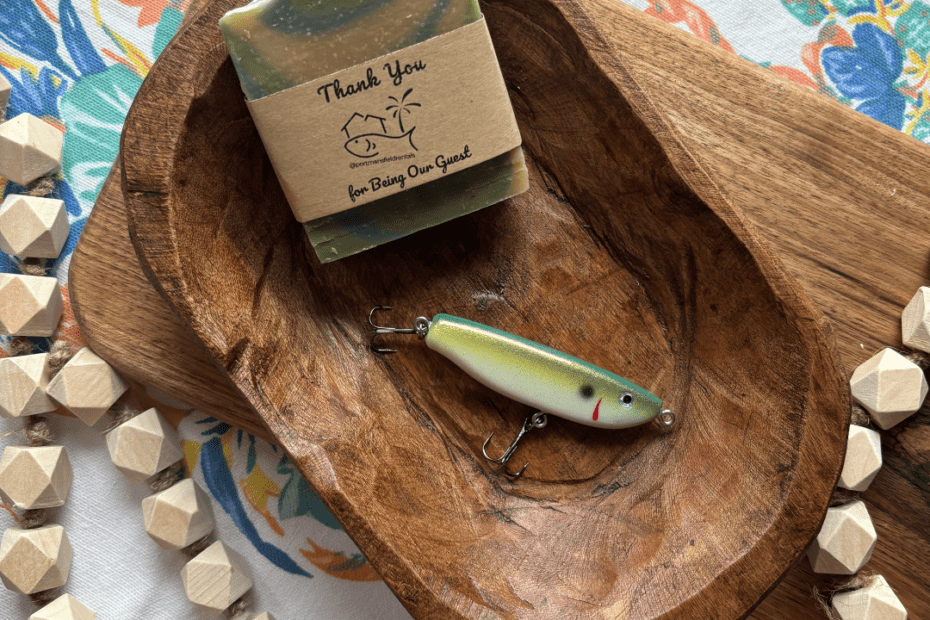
(368, 134)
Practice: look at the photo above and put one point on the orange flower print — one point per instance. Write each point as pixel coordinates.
(151, 10)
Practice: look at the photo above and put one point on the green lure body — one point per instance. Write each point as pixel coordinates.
(541, 377)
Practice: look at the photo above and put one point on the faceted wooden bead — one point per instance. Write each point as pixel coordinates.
(35, 477)
(29, 148)
(33, 227)
(915, 321)
(863, 458)
(143, 446)
(845, 541)
(35, 560)
(876, 601)
(216, 578)
(23, 380)
(5, 90)
(87, 386)
(29, 305)
(178, 516)
(889, 386)
(64, 607)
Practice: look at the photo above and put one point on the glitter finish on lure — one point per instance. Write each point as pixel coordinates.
(541, 377)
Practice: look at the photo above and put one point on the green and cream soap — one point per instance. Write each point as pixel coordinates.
(376, 126)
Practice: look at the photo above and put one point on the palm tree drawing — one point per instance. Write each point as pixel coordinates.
(401, 107)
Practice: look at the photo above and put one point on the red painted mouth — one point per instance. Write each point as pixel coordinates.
(596, 408)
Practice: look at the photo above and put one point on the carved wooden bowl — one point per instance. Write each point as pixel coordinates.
(623, 253)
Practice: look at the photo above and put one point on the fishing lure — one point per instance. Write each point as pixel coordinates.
(535, 375)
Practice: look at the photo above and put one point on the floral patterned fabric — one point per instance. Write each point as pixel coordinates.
(77, 64)
(871, 55)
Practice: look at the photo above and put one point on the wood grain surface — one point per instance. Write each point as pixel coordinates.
(624, 253)
(820, 182)
(126, 322)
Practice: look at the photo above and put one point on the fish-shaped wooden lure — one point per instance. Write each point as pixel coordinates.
(541, 377)
(536, 375)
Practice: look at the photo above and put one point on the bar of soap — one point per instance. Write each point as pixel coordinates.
(278, 44)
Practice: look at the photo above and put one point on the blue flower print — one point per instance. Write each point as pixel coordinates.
(867, 72)
(37, 95)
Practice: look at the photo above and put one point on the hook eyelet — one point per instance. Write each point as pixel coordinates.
(420, 327)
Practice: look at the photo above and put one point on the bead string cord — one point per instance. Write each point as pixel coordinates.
(824, 593)
(865, 594)
(215, 577)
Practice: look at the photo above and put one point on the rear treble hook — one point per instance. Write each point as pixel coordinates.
(537, 420)
(420, 328)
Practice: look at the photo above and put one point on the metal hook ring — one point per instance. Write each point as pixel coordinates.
(421, 326)
(666, 418)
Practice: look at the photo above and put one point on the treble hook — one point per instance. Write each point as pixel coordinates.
(420, 328)
(537, 420)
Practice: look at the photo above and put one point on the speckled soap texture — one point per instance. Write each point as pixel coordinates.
(278, 44)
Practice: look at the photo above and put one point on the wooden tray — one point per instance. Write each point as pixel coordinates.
(624, 253)
(820, 182)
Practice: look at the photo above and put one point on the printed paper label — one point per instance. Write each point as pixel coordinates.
(389, 124)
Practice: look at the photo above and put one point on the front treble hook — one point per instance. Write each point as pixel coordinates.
(537, 420)
(420, 328)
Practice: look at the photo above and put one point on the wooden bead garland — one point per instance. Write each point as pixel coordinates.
(146, 447)
(863, 458)
(216, 578)
(915, 321)
(65, 607)
(33, 227)
(845, 541)
(22, 386)
(178, 516)
(891, 388)
(87, 386)
(29, 305)
(876, 601)
(35, 477)
(35, 558)
(29, 148)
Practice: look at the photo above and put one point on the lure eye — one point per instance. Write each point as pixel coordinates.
(586, 391)
(626, 399)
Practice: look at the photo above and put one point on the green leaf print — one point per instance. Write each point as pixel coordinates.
(808, 12)
(850, 7)
(167, 27)
(913, 29)
(95, 106)
(298, 498)
(921, 130)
